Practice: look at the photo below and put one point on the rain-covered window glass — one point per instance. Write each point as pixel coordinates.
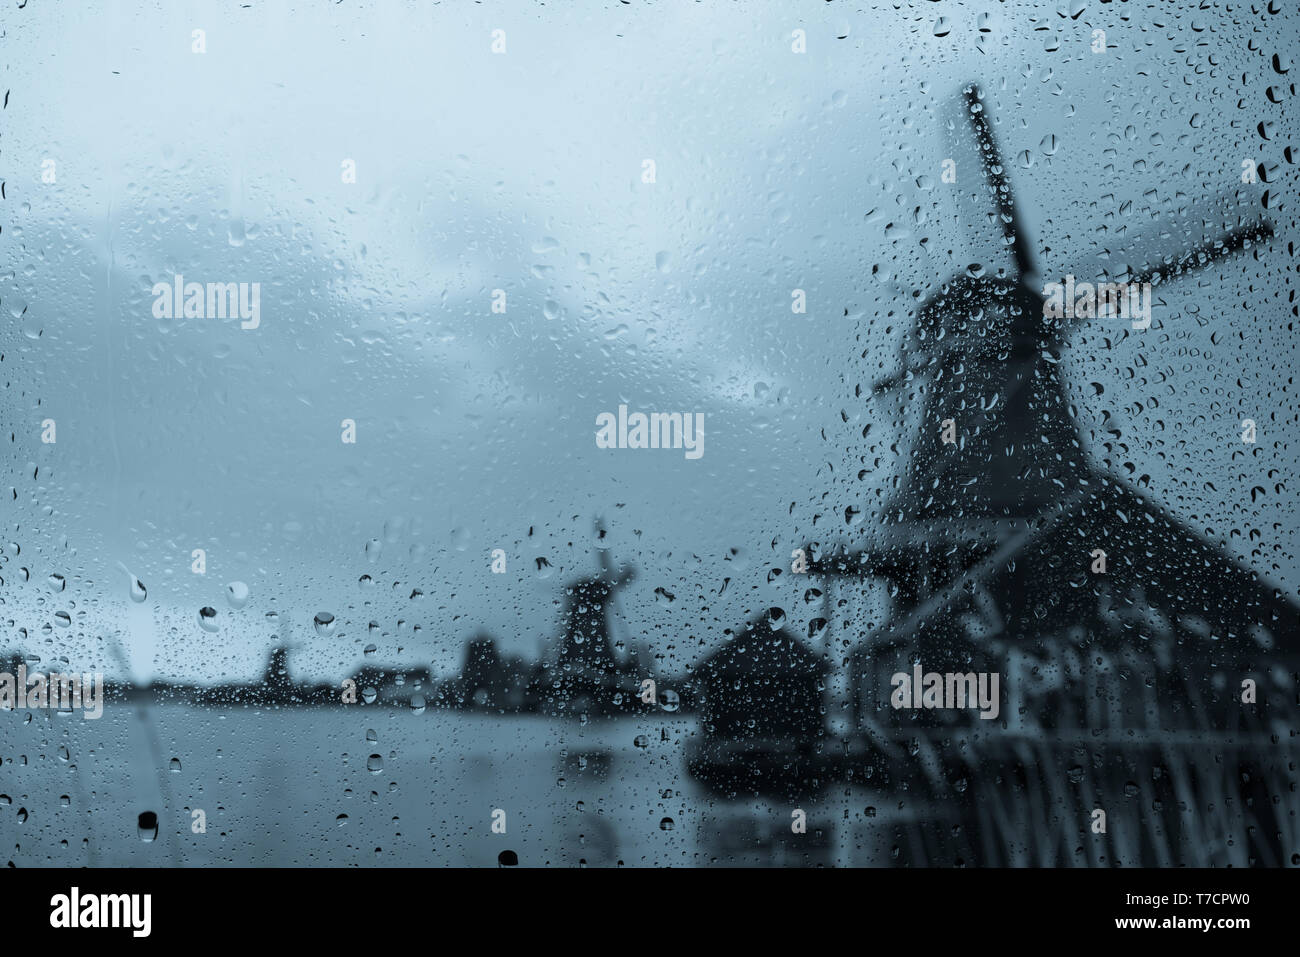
(648, 434)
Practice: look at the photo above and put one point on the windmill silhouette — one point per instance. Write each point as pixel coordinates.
(1124, 637)
(981, 337)
(584, 674)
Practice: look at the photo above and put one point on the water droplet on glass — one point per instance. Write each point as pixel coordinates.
(237, 594)
(147, 826)
(137, 590)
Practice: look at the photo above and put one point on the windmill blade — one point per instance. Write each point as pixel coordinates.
(1205, 253)
(894, 380)
(995, 172)
(1190, 260)
(898, 379)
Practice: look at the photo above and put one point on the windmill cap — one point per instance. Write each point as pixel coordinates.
(1001, 315)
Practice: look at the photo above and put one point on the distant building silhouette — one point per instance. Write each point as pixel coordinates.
(487, 680)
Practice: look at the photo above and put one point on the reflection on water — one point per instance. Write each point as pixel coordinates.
(367, 785)
(177, 785)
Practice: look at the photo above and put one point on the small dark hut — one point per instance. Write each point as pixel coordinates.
(762, 727)
(763, 683)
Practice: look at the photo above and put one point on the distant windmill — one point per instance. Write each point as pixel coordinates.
(1123, 637)
(584, 672)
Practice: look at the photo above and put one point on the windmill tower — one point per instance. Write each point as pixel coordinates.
(1122, 637)
(584, 673)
